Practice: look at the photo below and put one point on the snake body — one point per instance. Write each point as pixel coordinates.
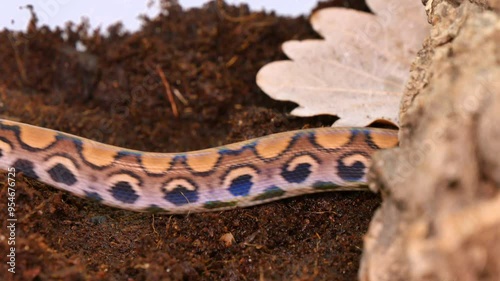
(236, 175)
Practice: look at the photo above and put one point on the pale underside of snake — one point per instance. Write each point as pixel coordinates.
(237, 175)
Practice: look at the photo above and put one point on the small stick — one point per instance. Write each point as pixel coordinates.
(178, 94)
(168, 91)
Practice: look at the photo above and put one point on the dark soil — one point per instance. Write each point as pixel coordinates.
(113, 93)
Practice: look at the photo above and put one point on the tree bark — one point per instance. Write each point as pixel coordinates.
(440, 216)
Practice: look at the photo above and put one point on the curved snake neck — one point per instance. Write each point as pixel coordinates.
(236, 175)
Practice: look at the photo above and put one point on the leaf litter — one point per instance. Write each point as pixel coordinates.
(359, 71)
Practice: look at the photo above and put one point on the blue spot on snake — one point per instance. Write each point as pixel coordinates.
(353, 173)
(298, 175)
(181, 196)
(241, 185)
(123, 192)
(26, 167)
(183, 192)
(300, 167)
(59, 173)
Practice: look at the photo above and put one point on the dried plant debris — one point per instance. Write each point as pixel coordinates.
(358, 72)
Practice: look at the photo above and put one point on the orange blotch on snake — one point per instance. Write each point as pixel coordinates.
(384, 140)
(98, 154)
(155, 164)
(333, 140)
(36, 137)
(272, 147)
(203, 162)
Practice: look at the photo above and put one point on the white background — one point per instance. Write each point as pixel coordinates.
(105, 12)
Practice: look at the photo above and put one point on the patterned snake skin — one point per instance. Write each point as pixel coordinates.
(237, 175)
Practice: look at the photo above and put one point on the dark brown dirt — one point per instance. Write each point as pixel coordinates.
(112, 93)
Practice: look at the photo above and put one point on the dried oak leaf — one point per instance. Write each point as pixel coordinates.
(358, 72)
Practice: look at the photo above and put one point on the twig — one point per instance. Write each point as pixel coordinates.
(168, 90)
(178, 94)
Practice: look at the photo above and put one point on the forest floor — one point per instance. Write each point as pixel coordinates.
(113, 93)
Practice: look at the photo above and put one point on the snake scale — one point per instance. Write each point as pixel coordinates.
(236, 175)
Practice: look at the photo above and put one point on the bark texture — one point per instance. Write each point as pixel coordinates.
(440, 217)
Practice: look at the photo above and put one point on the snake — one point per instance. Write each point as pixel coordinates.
(236, 175)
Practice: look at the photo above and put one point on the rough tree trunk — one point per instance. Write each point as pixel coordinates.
(440, 217)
